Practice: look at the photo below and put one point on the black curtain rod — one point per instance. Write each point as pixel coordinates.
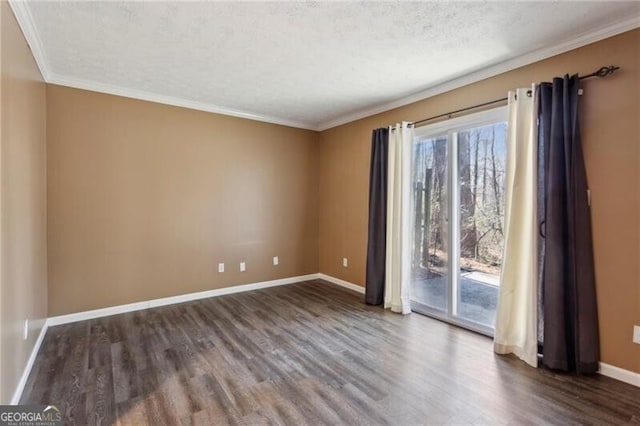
(602, 72)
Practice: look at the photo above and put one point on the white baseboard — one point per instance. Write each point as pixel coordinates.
(137, 306)
(605, 369)
(341, 283)
(27, 369)
(130, 307)
(620, 374)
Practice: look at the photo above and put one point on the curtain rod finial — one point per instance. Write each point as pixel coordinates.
(605, 71)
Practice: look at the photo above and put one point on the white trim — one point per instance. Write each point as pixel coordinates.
(27, 368)
(605, 369)
(493, 70)
(341, 283)
(25, 21)
(137, 306)
(113, 310)
(477, 119)
(130, 307)
(621, 374)
(171, 100)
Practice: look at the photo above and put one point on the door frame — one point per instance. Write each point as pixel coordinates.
(451, 128)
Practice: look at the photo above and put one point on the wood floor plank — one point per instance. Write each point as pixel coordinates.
(309, 353)
(100, 408)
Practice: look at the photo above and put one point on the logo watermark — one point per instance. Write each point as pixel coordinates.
(30, 415)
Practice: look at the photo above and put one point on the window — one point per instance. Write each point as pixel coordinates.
(458, 188)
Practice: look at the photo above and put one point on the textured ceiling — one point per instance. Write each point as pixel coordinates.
(306, 64)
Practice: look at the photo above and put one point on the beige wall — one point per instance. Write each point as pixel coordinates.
(145, 199)
(23, 278)
(611, 136)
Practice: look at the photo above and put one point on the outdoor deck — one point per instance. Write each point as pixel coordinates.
(478, 295)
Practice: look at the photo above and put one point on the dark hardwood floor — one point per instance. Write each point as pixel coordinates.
(309, 353)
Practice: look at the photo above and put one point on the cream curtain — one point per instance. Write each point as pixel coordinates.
(396, 294)
(516, 317)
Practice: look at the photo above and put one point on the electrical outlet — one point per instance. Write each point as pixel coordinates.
(636, 334)
(220, 267)
(345, 262)
(243, 266)
(276, 261)
(25, 332)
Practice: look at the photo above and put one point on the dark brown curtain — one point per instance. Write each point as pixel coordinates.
(571, 341)
(377, 243)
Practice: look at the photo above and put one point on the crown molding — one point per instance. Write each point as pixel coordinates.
(25, 21)
(171, 100)
(491, 71)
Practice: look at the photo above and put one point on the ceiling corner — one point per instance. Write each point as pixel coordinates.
(22, 13)
(126, 92)
(580, 40)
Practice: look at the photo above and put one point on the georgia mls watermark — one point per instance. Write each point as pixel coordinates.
(30, 415)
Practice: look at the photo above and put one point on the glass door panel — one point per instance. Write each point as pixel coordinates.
(481, 185)
(430, 256)
(458, 199)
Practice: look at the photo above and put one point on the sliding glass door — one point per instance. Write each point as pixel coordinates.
(457, 184)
